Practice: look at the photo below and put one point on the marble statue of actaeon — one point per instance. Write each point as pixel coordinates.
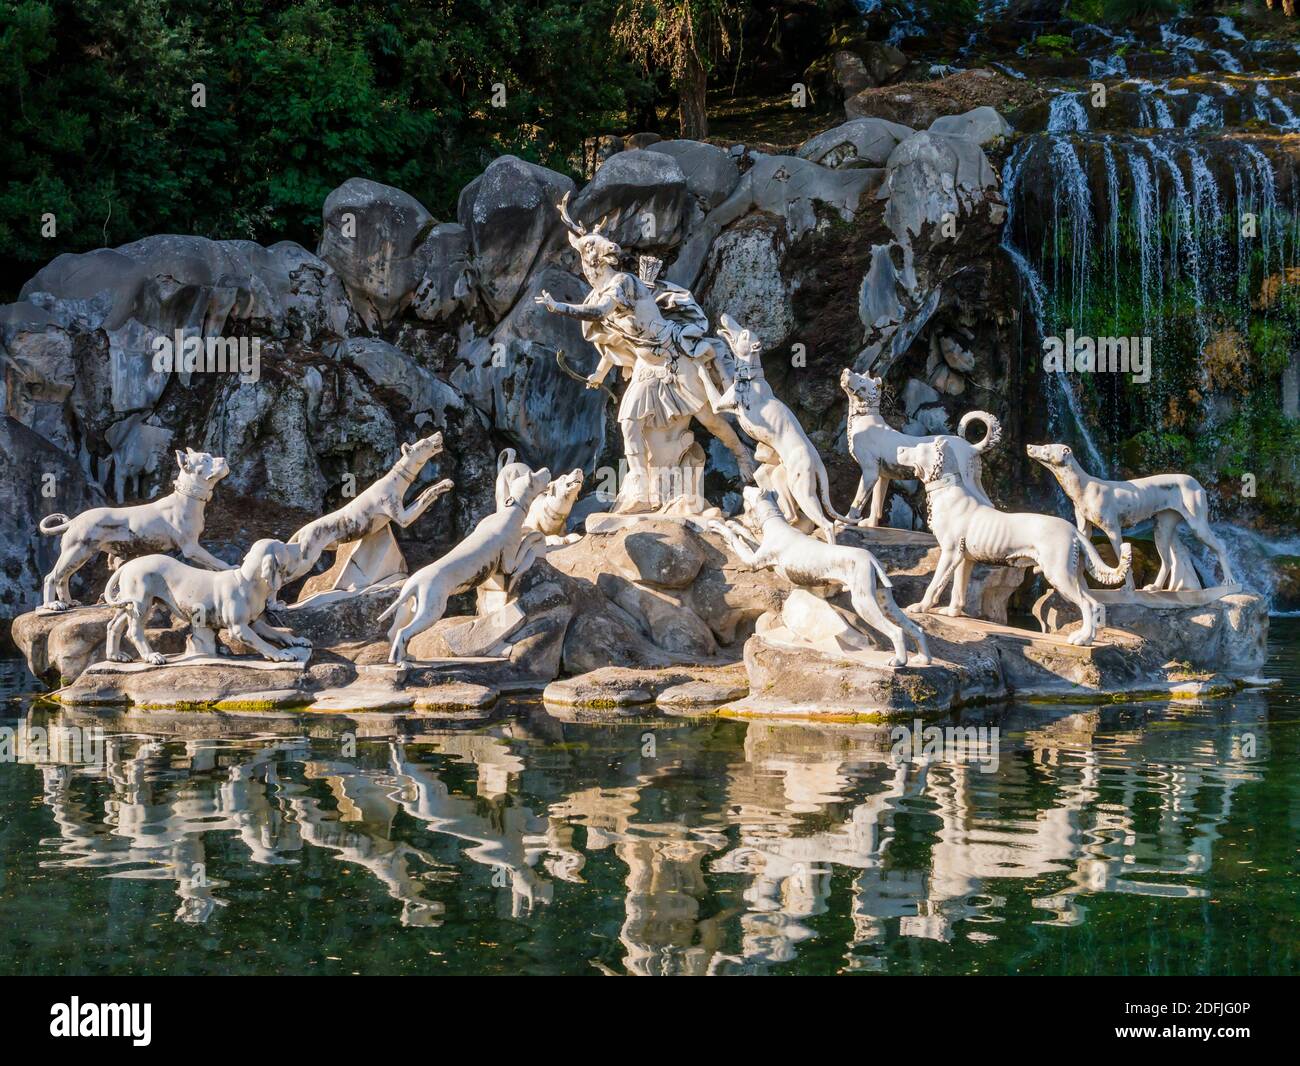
(970, 531)
(233, 600)
(804, 560)
(1112, 506)
(359, 530)
(789, 465)
(875, 444)
(171, 523)
(498, 546)
(656, 333)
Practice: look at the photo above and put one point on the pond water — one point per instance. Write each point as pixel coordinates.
(1127, 838)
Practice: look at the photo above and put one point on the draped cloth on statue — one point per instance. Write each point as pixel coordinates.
(648, 333)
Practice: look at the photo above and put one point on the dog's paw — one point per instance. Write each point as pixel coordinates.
(914, 608)
(57, 605)
(156, 659)
(299, 642)
(923, 659)
(898, 660)
(119, 657)
(949, 611)
(282, 655)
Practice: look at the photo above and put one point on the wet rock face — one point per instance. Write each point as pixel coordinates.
(29, 467)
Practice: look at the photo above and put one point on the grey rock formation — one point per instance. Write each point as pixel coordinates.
(933, 175)
(860, 142)
(711, 173)
(374, 238)
(509, 213)
(30, 467)
(744, 278)
(641, 195)
(513, 377)
(983, 125)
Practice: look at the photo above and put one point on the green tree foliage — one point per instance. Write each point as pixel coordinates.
(100, 127)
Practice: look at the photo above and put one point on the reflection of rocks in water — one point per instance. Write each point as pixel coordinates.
(686, 848)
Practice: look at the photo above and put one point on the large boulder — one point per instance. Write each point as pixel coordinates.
(509, 213)
(711, 173)
(448, 282)
(374, 238)
(388, 367)
(36, 479)
(743, 278)
(640, 199)
(931, 175)
(860, 142)
(513, 377)
(983, 125)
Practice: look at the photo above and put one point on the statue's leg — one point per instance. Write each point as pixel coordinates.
(634, 493)
(722, 429)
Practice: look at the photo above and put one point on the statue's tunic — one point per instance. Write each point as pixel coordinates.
(637, 336)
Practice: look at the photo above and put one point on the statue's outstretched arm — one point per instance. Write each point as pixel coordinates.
(587, 312)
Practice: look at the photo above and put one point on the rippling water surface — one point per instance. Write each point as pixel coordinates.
(1130, 838)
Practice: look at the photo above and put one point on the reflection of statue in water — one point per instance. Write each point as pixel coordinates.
(655, 332)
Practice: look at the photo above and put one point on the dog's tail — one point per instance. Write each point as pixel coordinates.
(884, 577)
(992, 429)
(1107, 575)
(110, 590)
(60, 523)
(406, 593)
(505, 458)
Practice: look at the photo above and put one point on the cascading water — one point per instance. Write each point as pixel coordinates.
(1161, 215)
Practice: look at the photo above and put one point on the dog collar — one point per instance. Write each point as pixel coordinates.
(942, 482)
(185, 490)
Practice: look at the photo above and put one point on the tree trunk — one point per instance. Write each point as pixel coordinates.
(692, 105)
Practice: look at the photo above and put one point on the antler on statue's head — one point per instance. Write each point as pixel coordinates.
(569, 224)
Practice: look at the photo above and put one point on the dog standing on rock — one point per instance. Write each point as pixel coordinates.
(789, 466)
(233, 600)
(970, 531)
(804, 560)
(498, 545)
(172, 523)
(875, 445)
(1113, 505)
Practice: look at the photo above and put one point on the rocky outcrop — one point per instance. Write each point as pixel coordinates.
(509, 213)
(919, 104)
(374, 238)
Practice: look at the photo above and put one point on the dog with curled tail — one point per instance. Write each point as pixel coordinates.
(171, 523)
(970, 531)
(499, 545)
(805, 560)
(874, 445)
(233, 600)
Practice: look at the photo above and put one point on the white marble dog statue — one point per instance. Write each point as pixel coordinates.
(805, 560)
(361, 525)
(549, 514)
(233, 600)
(970, 531)
(498, 545)
(798, 473)
(172, 523)
(874, 444)
(1112, 506)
